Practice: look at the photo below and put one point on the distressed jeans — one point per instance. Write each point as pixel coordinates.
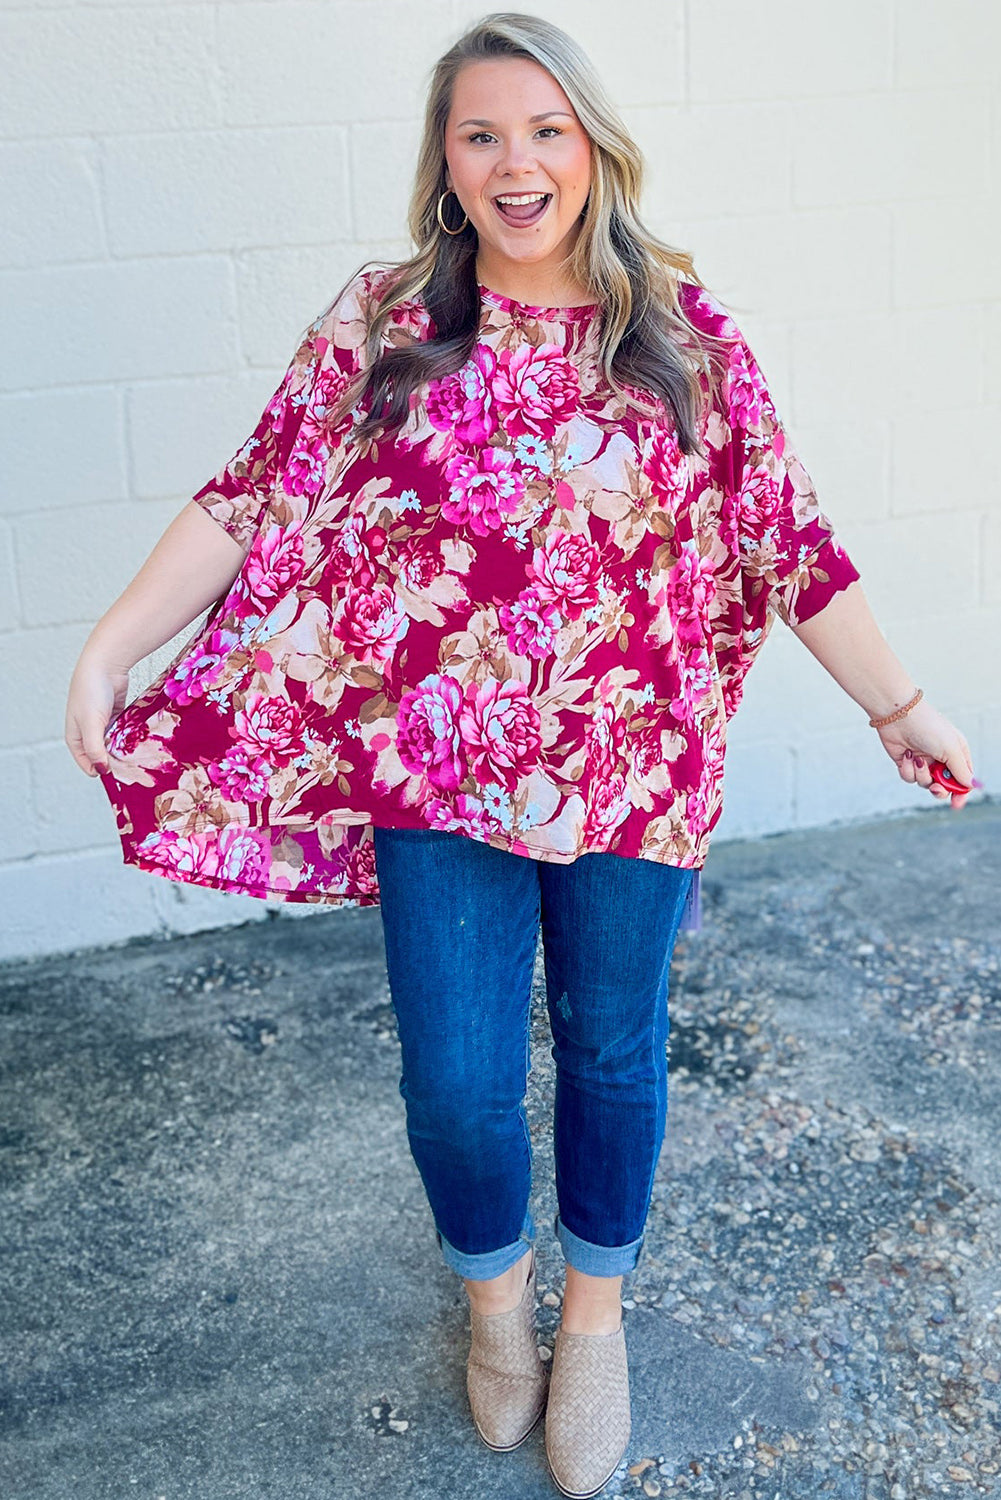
(461, 923)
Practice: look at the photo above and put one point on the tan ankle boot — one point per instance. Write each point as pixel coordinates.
(506, 1380)
(588, 1420)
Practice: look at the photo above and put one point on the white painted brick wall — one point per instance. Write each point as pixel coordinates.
(68, 559)
(781, 49)
(9, 582)
(186, 183)
(248, 186)
(90, 424)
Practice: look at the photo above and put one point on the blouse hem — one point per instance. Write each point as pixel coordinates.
(241, 888)
(131, 857)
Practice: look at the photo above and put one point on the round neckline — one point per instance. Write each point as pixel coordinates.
(527, 309)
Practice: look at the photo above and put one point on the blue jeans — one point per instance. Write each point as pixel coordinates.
(461, 922)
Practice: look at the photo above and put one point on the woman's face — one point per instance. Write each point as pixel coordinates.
(512, 130)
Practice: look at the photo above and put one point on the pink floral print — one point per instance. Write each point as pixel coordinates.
(429, 742)
(461, 403)
(500, 731)
(525, 618)
(485, 490)
(535, 389)
(567, 570)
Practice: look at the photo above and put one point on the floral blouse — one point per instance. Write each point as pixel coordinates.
(526, 618)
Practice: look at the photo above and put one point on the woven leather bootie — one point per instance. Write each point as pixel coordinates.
(506, 1380)
(588, 1419)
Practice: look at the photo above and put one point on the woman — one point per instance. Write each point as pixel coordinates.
(485, 583)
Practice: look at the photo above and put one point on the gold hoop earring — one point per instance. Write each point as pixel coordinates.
(441, 221)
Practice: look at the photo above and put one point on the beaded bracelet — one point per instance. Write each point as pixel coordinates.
(892, 718)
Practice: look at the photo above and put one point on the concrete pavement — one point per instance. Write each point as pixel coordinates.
(218, 1273)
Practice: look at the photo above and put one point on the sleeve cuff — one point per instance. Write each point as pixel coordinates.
(814, 583)
(230, 513)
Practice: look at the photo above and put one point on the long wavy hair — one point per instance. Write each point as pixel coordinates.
(646, 342)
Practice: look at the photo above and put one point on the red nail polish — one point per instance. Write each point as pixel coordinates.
(918, 761)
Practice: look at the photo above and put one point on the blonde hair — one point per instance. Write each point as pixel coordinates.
(646, 342)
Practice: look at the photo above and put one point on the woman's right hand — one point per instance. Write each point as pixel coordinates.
(97, 694)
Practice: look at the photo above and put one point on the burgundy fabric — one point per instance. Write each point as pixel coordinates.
(527, 617)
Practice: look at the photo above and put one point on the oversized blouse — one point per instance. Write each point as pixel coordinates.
(525, 618)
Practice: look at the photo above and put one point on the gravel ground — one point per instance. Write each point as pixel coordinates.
(217, 1273)
(825, 1217)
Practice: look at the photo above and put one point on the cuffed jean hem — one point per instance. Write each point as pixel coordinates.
(596, 1260)
(490, 1263)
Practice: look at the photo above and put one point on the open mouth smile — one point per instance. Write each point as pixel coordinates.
(519, 209)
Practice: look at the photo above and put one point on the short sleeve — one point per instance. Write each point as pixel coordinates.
(293, 440)
(238, 494)
(790, 558)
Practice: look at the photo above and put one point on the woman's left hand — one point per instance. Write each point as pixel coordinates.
(922, 736)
